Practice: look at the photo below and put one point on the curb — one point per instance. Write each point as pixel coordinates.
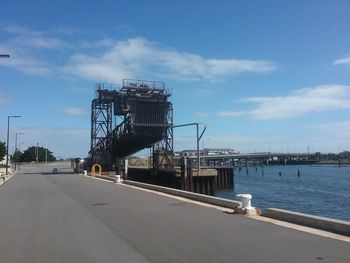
(108, 178)
(235, 205)
(340, 227)
(5, 178)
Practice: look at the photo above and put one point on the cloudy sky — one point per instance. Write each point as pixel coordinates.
(262, 75)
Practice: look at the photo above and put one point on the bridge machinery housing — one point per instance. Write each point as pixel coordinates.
(143, 118)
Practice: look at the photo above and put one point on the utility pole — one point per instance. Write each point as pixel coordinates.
(37, 153)
(8, 140)
(17, 133)
(197, 140)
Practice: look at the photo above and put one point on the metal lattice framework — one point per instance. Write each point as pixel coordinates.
(163, 151)
(101, 121)
(146, 120)
(101, 115)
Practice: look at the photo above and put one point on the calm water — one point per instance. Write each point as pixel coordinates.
(323, 191)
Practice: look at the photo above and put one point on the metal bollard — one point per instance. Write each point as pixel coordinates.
(246, 204)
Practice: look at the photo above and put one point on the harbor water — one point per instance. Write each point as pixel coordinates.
(316, 190)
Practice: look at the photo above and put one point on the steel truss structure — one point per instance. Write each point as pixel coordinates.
(146, 120)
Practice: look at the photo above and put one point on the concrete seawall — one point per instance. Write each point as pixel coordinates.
(193, 196)
(331, 225)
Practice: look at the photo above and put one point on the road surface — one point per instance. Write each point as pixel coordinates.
(65, 217)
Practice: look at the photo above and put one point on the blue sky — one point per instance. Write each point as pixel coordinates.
(262, 75)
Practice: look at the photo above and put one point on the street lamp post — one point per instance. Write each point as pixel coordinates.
(197, 140)
(37, 152)
(8, 139)
(19, 148)
(17, 133)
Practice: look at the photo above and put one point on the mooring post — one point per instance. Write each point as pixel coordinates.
(126, 165)
(185, 172)
(118, 166)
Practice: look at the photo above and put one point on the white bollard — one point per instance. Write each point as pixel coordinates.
(119, 180)
(85, 172)
(246, 204)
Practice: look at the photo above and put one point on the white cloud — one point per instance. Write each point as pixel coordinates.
(74, 111)
(232, 113)
(25, 46)
(140, 57)
(299, 102)
(23, 61)
(131, 58)
(33, 39)
(342, 61)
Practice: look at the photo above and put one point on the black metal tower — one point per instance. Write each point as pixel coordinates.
(101, 117)
(146, 120)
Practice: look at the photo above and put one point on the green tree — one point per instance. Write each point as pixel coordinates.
(2, 150)
(17, 156)
(32, 152)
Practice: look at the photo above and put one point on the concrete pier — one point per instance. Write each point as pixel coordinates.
(225, 177)
(65, 217)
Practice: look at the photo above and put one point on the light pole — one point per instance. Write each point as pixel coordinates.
(198, 137)
(17, 133)
(46, 154)
(37, 153)
(19, 148)
(8, 139)
(4, 55)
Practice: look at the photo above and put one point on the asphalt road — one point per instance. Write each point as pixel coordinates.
(70, 218)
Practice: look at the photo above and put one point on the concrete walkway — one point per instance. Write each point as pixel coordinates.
(69, 218)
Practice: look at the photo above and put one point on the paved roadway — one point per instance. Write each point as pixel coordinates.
(69, 218)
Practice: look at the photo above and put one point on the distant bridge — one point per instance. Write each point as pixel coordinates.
(231, 159)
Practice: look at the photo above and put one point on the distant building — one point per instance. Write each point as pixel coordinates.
(209, 151)
(219, 151)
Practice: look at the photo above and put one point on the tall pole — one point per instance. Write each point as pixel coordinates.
(19, 148)
(37, 153)
(7, 143)
(197, 139)
(17, 133)
(8, 140)
(198, 155)
(46, 154)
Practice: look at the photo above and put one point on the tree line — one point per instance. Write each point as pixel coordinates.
(29, 155)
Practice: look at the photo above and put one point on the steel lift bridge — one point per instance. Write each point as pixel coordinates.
(125, 121)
